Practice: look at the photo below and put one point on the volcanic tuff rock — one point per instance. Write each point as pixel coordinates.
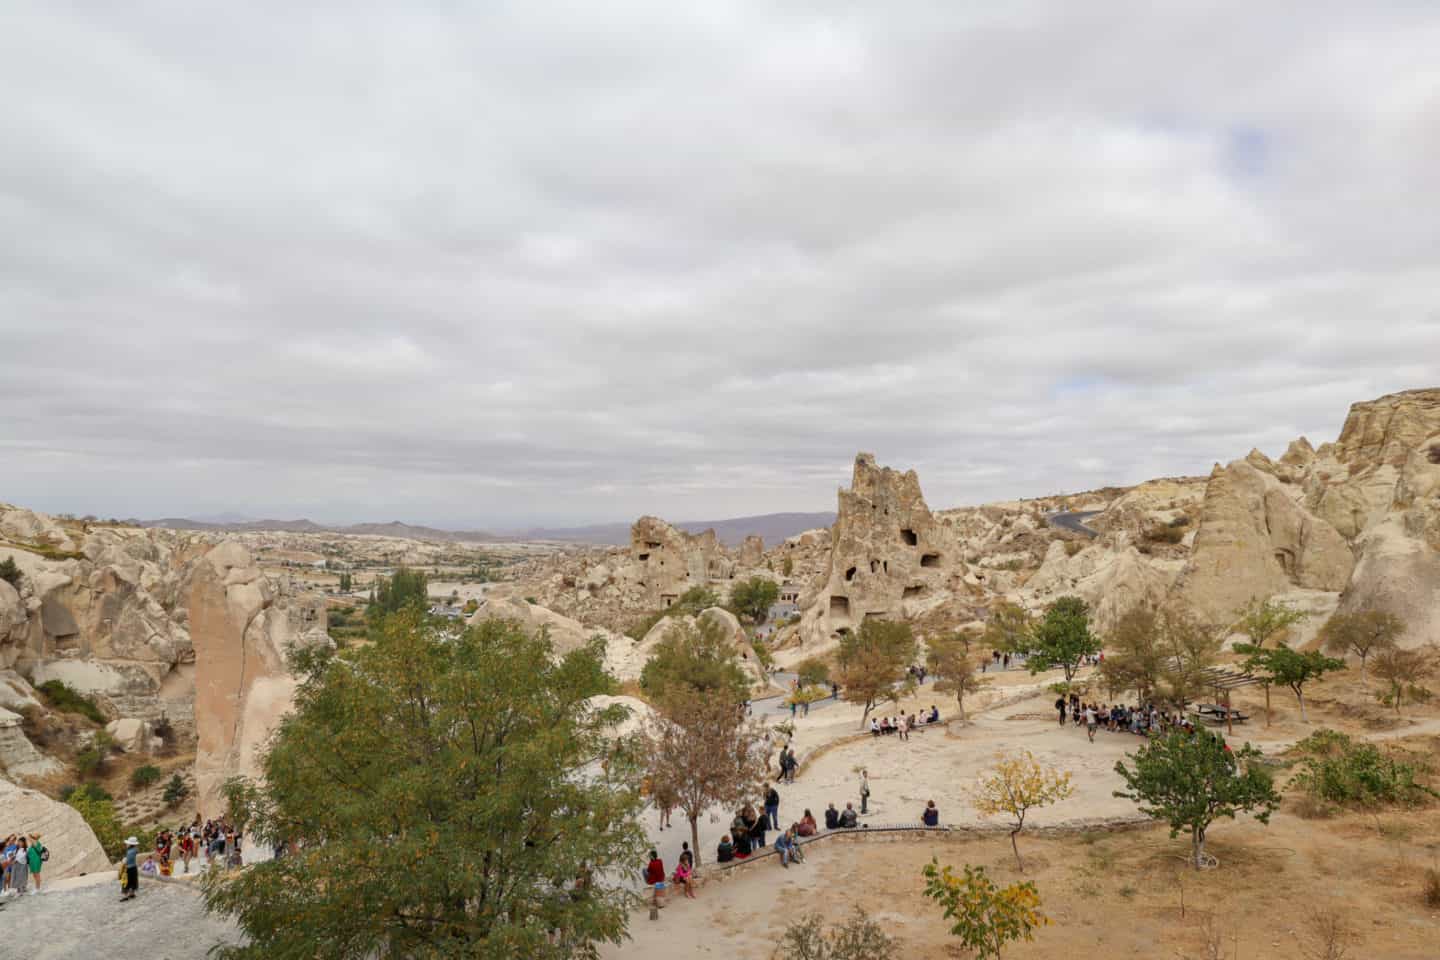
(888, 556)
(667, 561)
(1254, 540)
(243, 629)
(1111, 581)
(565, 634)
(72, 844)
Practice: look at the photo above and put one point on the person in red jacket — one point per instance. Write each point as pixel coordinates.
(655, 878)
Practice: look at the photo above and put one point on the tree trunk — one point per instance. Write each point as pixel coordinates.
(865, 715)
(1362, 669)
(960, 702)
(1301, 697)
(695, 838)
(1267, 704)
(1197, 837)
(1016, 847)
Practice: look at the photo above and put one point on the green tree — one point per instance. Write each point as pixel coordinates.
(346, 582)
(1290, 668)
(1061, 639)
(1134, 658)
(98, 811)
(444, 794)
(1191, 780)
(1191, 648)
(1007, 628)
(787, 567)
(175, 790)
(986, 917)
(142, 777)
(812, 671)
(873, 662)
(700, 656)
(1401, 671)
(955, 669)
(1264, 620)
(753, 598)
(1362, 633)
(10, 572)
(404, 589)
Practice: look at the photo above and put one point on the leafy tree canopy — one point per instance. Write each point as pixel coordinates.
(446, 793)
(404, 589)
(1290, 668)
(873, 662)
(1062, 638)
(752, 598)
(700, 658)
(1190, 780)
(1362, 633)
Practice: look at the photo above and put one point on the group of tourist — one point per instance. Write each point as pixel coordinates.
(902, 725)
(1141, 720)
(21, 859)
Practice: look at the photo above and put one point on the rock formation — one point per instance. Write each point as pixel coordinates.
(565, 634)
(72, 844)
(889, 557)
(1111, 581)
(1255, 540)
(669, 561)
(243, 630)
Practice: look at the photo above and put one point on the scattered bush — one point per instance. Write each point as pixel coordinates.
(858, 938)
(10, 573)
(66, 699)
(812, 670)
(1073, 547)
(175, 790)
(142, 777)
(1165, 534)
(1341, 771)
(88, 790)
(1432, 887)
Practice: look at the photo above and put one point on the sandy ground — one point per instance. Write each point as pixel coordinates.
(1108, 894)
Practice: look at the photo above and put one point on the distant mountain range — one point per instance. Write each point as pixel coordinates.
(773, 527)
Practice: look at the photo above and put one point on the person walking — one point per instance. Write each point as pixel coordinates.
(864, 792)
(1090, 721)
(1060, 706)
(132, 870)
(772, 806)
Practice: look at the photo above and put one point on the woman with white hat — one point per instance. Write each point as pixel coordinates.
(132, 869)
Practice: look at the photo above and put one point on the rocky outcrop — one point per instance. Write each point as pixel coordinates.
(26, 526)
(752, 552)
(72, 844)
(243, 630)
(565, 634)
(1399, 568)
(666, 561)
(626, 658)
(889, 557)
(1111, 581)
(1255, 540)
(1352, 482)
(18, 756)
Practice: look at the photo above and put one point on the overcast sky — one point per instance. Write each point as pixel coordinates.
(499, 263)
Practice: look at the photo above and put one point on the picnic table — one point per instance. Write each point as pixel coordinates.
(1218, 713)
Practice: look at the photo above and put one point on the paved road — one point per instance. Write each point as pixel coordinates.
(1075, 522)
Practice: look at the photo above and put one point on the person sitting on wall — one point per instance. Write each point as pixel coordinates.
(931, 816)
(849, 818)
(832, 817)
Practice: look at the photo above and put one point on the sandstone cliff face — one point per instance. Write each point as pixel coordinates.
(1255, 540)
(242, 630)
(889, 557)
(1112, 581)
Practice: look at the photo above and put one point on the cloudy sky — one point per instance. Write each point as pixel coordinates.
(491, 264)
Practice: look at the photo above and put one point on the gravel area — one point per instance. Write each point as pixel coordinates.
(166, 921)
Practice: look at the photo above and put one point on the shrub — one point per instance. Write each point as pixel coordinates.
(142, 777)
(812, 670)
(1165, 534)
(985, 917)
(10, 573)
(175, 790)
(89, 790)
(66, 699)
(1073, 547)
(1432, 887)
(1338, 770)
(858, 938)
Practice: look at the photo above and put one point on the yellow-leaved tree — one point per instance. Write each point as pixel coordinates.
(1018, 784)
(986, 917)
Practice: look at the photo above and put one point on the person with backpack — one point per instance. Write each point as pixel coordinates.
(38, 856)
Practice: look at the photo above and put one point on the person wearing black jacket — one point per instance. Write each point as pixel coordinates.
(832, 818)
(772, 806)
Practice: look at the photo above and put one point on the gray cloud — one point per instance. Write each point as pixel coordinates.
(569, 262)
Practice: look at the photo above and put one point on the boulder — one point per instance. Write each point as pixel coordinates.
(565, 634)
(72, 844)
(130, 733)
(16, 693)
(18, 756)
(30, 527)
(752, 552)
